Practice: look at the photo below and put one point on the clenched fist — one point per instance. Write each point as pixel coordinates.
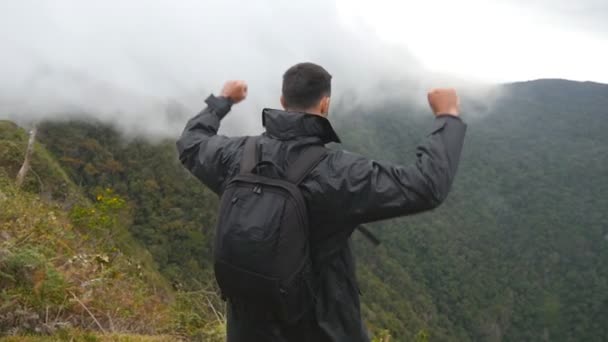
(235, 90)
(444, 101)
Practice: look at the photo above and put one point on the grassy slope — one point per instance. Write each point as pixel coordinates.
(67, 263)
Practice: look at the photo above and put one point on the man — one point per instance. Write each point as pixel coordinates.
(342, 191)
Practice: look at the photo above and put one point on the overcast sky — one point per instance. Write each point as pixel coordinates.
(124, 61)
(495, 40)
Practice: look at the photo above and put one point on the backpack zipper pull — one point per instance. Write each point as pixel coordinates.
(257, 189)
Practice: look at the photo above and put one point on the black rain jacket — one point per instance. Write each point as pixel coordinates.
(344, 190)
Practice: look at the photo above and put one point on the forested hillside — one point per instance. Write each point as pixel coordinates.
(517, 253)
(519, 250)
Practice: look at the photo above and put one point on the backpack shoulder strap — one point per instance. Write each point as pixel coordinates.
(249, 156)
(306, 161)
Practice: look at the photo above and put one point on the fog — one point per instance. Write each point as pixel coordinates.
(147, 66)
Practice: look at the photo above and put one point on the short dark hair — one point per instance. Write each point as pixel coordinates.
(304, 85)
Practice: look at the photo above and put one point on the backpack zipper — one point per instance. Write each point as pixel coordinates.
(257, 189)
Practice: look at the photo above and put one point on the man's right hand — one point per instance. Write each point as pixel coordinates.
(444, 101)
(235, 91)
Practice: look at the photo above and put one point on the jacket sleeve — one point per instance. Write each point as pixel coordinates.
(207, 155)
(367, 190)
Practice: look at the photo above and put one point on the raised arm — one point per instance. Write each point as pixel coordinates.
(202, 151)
(367, 190)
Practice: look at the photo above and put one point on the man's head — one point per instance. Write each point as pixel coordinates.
(306, 88)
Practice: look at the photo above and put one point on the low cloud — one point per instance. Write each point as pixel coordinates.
(147, 66)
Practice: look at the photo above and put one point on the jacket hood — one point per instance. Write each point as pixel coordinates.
(284, 125)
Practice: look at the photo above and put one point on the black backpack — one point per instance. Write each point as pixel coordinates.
(262, 250)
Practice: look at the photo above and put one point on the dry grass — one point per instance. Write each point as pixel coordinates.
(55, 275)
(77, 337)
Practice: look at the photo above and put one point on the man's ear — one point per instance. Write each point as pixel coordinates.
(283, 102)
(325, 102)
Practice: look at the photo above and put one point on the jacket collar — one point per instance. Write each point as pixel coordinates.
(284, 125)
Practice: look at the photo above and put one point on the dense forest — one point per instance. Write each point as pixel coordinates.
(517, 253)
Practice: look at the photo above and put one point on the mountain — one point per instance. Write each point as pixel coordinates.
(517, 252)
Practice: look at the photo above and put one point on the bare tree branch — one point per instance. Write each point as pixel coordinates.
(28, 157)
(89, 312)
